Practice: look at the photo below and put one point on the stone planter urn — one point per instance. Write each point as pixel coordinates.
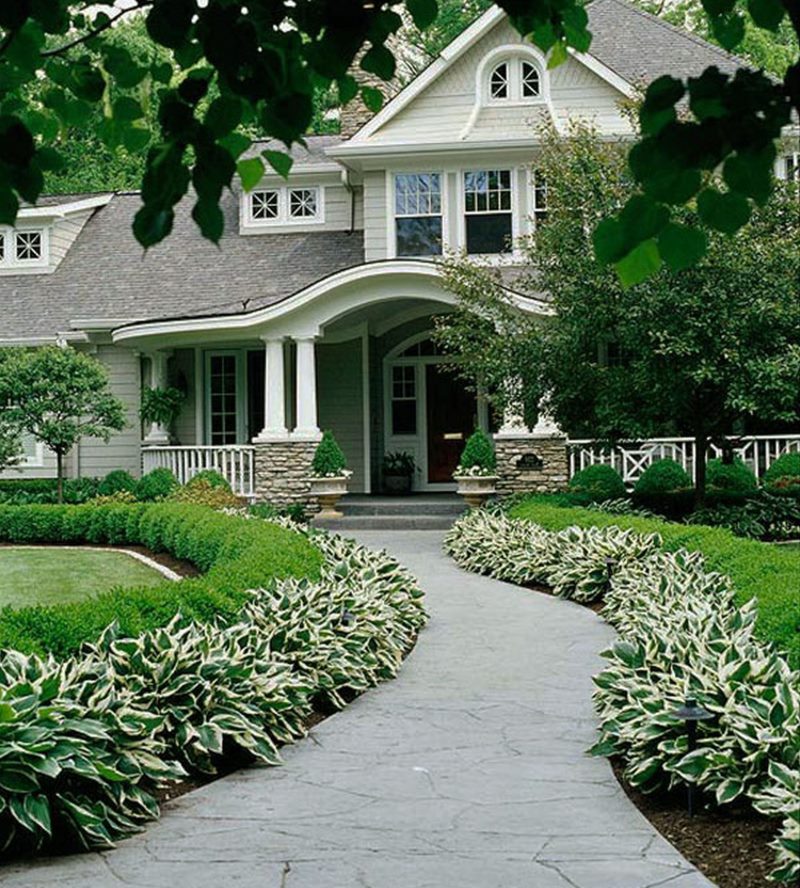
(476, 489)
(329, 491)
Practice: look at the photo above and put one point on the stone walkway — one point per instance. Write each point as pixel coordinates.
(468, 771)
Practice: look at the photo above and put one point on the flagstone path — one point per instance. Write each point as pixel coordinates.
(467, 771)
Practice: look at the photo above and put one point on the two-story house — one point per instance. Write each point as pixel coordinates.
(316, 309)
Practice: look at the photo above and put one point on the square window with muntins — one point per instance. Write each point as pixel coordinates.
(28, 246)
(265, 204)
(418, 214)
(303, 203)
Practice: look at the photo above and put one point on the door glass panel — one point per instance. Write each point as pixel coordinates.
(404, 400)
(223, 400)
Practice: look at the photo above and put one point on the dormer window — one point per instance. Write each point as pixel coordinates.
(23, 248)
(284, 206)
(28, 246)
(498, 86)
(531, 83)
(514, 80)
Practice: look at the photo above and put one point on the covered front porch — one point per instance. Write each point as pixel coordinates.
(358, 359)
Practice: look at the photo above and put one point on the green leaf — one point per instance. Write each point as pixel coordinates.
(347, 87)
(250, 171)
(423, 12)
(610, 241)
(210, 219)
(7, 712)
(168, 23)
(224, 115)
(126, 108)
(38, 810)
(729, 30)
(767, 13)
(372, 97)
(14, 780)
(151, 225)
(279, 161)
(726, 212)
(135, 138)
(681, 246)
(558, 55)
(658, 108)
(235, 144)
(641, 263)
(379, 60)
(87, 82)
(751, 174)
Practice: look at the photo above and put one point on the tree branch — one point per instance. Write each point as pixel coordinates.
(140, 4)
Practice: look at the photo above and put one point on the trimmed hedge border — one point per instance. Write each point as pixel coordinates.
(85, 740)
(680, 634)
(233, 555)
(758, 570)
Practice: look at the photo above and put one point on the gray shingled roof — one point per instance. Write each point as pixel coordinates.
(310, 154)
(640, 47)
(106, 274)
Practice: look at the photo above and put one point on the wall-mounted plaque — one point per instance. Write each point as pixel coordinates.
(530, 462)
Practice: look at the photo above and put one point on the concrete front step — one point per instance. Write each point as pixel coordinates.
(350, 522)
(410, 506)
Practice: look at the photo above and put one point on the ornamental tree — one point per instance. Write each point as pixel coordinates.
(58, 396)
(10, 444)
(234, 66)
(692, 352)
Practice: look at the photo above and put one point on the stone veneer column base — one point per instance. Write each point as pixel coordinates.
(282, 470)
(531, 463)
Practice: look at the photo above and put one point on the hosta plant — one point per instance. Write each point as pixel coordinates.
(680, 634)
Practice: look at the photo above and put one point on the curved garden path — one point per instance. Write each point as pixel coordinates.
(468, 771)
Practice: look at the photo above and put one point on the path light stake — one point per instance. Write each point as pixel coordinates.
(609, 567)
(348, 619)
(691, 714)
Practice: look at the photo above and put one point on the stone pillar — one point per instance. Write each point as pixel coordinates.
(282, 470)
(530, 461)
(307, 428)
(274, 395)
(158, 436)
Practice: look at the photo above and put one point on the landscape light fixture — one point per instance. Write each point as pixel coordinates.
(348, 619)
(609, 566)
(690, 713)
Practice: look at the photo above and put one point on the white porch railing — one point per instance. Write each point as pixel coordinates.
(631, 459)
(236, 462)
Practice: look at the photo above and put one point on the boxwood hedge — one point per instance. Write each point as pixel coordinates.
(232, 554)
(758, 570)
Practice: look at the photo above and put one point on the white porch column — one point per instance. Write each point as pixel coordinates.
(158, 436)
(307, 428)
(274, 394)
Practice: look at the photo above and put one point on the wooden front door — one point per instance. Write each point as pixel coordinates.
(452, 416)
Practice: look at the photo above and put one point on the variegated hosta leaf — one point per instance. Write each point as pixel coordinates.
(680, 634)
(84, 741)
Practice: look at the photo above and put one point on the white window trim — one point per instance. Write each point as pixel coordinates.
(283, 219)
(513, 55)
(10, 260)
(780, 164)
(392, 220)
(33, 461)
(513, 255)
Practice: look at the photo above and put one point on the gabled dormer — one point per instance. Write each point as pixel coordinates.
(42, 235)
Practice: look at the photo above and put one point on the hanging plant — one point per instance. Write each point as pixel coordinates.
(161, 406)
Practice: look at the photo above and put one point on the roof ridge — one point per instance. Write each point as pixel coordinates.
(695, 38)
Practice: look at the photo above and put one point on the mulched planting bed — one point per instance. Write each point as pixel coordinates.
(729, 845)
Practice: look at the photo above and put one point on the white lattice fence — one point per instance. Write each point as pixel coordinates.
(630, 459)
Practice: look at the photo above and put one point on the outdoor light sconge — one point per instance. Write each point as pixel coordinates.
(348, 619)
(691, 714)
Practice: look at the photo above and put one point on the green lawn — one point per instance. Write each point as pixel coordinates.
(55, 575)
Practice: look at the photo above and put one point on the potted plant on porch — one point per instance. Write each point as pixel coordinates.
(476, 472)
(398, 470)
(329, 476)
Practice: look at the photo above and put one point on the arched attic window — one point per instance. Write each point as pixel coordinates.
(515, 79)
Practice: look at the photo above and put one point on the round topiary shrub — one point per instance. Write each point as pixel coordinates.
(156, 485)
(783, 476)
(663, 476)
(478, 456)
(209, 478)
(597, 483)
(729, 482)
(329, 460)
(118, 481)
(665, 488)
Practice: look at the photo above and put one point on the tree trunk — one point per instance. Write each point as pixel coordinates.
(60, 474)
(700, 450)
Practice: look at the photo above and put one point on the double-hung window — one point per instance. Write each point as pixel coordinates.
(539, 198)
(488, 211)
(791, 167)
(418, 214)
